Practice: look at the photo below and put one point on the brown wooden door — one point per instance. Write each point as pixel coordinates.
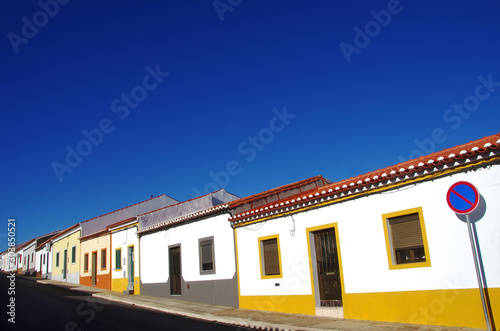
(175, 270)
(94, 268)
(327, 262)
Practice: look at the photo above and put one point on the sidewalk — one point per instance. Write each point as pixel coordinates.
(243, 317)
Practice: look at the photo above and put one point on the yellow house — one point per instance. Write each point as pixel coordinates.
(66, 255)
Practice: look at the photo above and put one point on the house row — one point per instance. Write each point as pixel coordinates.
(382, 246)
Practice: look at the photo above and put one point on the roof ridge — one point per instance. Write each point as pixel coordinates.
(203, 212)
(431, 160)
(181, 202)
(114, 211)
(269, 192)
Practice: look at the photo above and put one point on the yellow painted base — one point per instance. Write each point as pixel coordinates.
(451, 307)
(121, 284)
(293, 304)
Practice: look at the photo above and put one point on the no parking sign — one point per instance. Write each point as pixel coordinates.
(462, 197)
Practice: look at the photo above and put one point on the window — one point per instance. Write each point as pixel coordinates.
(406, 239)
(32, 257)
(269, 253)
(103, 259)
(57, 260)
(207, 261)
(118, 259)
(86, 262)
(73, 254)
(43, 259)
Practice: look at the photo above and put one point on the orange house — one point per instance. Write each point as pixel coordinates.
(95, 264)
(95, 240)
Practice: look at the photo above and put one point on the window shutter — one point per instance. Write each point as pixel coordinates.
(406, 231)
(271, 258)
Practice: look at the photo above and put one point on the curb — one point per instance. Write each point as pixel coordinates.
(210, 317)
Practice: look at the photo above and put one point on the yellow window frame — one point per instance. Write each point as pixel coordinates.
(310, 232)
(261, 258)
(388, 242)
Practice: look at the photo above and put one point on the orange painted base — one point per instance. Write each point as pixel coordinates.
(102, 281)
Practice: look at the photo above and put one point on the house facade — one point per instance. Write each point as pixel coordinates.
(187, 251)
(66, 255)
(96, 250)
(19, 257)
(384, 246)
(29, 258)
(3, 260)
(9, 261)
(41, 256)
(94, 265)
(125, 255)
(44, 259)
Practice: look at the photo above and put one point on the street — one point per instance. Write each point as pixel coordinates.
(46, 307)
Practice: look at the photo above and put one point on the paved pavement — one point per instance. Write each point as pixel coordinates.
(244, 317)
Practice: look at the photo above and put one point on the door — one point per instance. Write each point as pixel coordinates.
(47, 265)
(94, 268)
(130, 268)
(65, 263)
(328, 271)
(175, 270)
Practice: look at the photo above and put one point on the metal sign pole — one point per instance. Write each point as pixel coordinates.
(478, 274)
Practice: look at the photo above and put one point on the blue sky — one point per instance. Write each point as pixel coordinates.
(108, 102)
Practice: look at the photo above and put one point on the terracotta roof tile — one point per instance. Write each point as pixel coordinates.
(446, 157)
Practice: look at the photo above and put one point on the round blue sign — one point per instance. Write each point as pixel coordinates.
(462, 197)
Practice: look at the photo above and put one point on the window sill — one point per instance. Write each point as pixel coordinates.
(271, 277)
(410, 265)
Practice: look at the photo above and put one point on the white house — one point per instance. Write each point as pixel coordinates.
(187, 251)
(43, 255)
(29, 258)
(381, 246)
(125, 256)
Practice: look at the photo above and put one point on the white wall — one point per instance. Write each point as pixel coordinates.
(20, 261)
(122, 239)
(154, 250)
(38, 258)
(48, 256)
(363, 247)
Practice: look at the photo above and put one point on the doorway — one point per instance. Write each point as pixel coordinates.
(47, 265)
(130, 269)
(327, 268)
(94, 268)
(175, 270)
(65, 263)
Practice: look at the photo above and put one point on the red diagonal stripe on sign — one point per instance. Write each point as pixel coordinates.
(462, 197)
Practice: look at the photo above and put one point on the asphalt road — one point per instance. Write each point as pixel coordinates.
(46, 307)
